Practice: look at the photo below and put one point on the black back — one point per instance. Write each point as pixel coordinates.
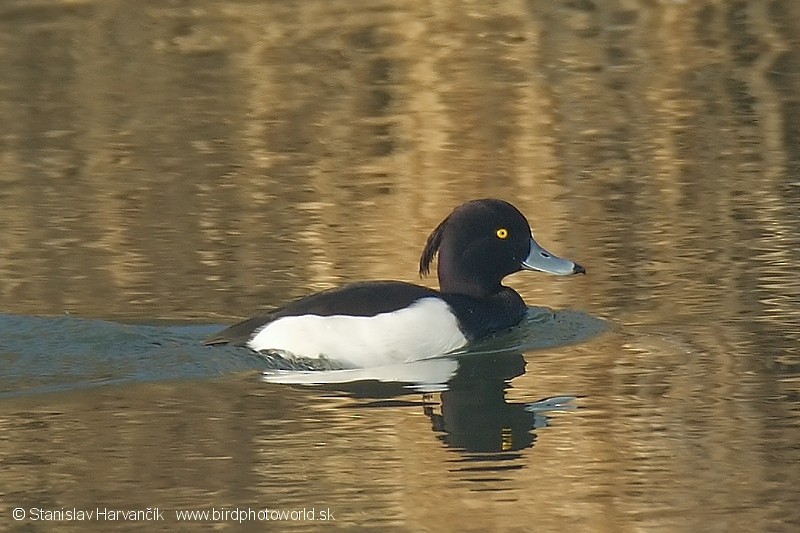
(357, 299)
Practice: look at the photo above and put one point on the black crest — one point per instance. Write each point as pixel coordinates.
(431, 247)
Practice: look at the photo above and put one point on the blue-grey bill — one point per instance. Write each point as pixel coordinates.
(543, 261)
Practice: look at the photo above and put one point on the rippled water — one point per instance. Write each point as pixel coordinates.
(169, 167)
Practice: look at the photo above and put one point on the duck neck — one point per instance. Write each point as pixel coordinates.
(468, 285)
(487, 315)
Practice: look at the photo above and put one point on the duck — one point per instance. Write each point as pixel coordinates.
(376, 323)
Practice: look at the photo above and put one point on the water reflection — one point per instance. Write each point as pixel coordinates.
(152, 150)
(472, 413)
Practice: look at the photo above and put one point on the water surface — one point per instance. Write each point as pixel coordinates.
(169, 168)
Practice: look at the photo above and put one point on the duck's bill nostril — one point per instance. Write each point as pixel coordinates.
(543, 261)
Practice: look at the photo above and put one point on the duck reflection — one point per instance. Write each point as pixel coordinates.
(472, 413)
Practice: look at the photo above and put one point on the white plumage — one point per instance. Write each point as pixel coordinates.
(425, 329)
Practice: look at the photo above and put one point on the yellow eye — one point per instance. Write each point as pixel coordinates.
(502, 233)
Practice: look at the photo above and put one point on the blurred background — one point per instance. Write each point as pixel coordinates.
(197, 161)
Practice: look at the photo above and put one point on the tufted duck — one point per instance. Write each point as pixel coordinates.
(382, 322)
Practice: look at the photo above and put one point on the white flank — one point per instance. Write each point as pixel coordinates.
(425, 329)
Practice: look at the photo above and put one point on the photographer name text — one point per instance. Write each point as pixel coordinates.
(156, 514)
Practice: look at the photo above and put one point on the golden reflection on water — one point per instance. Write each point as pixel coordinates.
(203, 160)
